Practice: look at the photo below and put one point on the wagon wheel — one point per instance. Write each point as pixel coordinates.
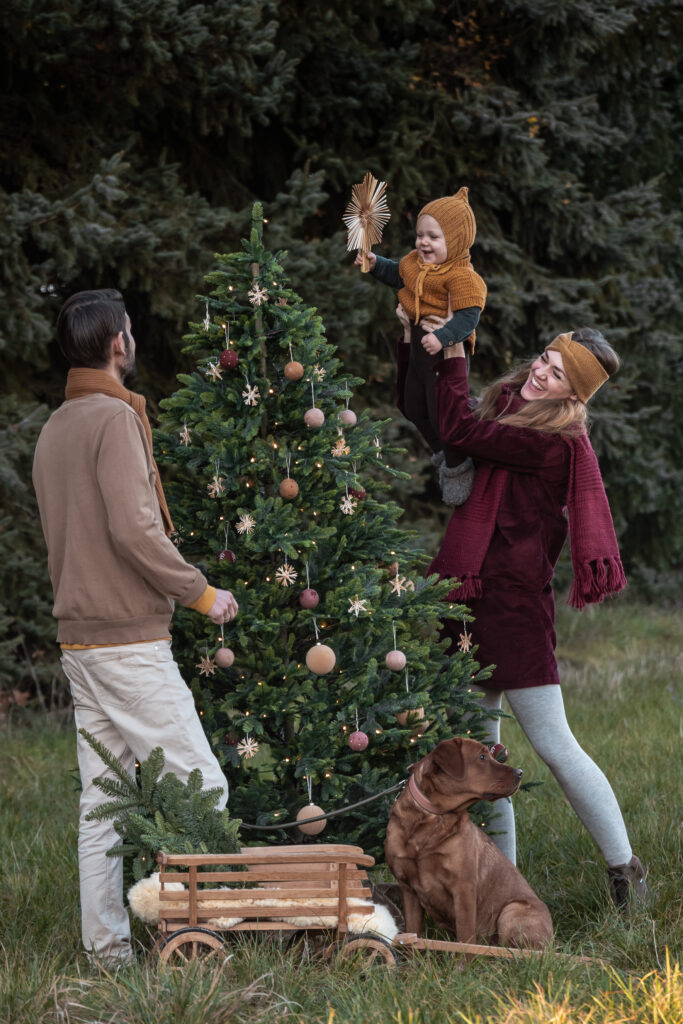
(368, 950)
(191, 944)
(306, 945)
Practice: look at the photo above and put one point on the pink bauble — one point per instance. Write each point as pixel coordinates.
(289, 488)
(395, 660)
(358, 740)
(348, 417)
(224, 657)
(228, 359)
(314, 418)
(321, 659)
(294, 370)
(226, 556)
(309, 598)
(311, 811)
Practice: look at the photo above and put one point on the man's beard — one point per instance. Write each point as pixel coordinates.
(128, 366)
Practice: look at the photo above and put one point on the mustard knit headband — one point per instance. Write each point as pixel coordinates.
(584, 371)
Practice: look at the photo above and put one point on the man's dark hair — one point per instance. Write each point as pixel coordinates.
(86, 324)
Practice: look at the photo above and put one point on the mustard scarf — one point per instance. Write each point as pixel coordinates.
(82, 381)
(423, 270)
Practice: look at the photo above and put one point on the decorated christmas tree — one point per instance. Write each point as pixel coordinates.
(333, 677)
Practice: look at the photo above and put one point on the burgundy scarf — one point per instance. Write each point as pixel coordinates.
(597, 566)
(82, 381)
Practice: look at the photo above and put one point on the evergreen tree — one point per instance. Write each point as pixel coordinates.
(282, 490)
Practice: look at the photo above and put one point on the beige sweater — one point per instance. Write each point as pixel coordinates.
(115, 574)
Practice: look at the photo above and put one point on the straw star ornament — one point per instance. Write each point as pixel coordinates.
(366, 215)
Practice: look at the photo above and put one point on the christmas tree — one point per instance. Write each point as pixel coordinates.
(333, 678)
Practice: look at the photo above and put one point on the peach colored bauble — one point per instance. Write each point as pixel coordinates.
(321, 659)
(294, 370)
(311, 811)
(224, 657)
(289, 488)
(348, 417)
(396, 660)
(314, 418)
(412, 715)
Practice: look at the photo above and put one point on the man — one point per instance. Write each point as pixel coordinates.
(115, 575)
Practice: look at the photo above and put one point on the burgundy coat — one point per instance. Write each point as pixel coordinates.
(514, 625)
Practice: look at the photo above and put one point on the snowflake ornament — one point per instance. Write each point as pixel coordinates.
(251, 395)
(206, 666)
(216, 486)
(282, 301)
(247, 747)
(185, 435)
(356, 606)
(348, 505)
(398, 584)
(340, 448)
(319, 372)
(214, 371)
(286, 575)
(245, 523)
(378, 447)
(258, 295)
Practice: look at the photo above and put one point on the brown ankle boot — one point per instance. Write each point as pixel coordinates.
(627, 883)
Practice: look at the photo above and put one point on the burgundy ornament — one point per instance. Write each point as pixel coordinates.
(228, 359)
(499, 752)
(359, 493)
(309, 598)
(358, 740)
(226, 555)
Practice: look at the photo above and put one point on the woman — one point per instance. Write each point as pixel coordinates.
(527, 437)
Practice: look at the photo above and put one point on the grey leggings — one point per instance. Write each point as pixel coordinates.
(540, 712)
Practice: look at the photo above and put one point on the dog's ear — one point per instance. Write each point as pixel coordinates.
(448, 757)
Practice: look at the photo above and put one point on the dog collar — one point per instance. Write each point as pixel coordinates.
(420, 799)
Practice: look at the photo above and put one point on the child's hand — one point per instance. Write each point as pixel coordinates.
(432, 323)
(431, 343)
(371, 258)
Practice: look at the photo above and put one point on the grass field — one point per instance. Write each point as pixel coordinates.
(621, 668)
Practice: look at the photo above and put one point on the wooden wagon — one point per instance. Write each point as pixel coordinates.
(309, 893)
(268, 889)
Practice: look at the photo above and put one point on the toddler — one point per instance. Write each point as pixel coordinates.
(437, 279)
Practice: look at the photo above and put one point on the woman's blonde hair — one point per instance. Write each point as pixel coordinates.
(549, 415)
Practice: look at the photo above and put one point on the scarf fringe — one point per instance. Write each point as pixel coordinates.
(596, 580)
(469, 589)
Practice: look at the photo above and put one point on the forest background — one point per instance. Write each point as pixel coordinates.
(137, 133)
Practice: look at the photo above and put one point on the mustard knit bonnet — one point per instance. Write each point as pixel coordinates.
(455, 218)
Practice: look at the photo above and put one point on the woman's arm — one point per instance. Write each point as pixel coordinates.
(510, 447)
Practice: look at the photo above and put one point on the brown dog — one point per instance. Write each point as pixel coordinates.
(446, 865)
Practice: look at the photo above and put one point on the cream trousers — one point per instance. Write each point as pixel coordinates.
(131, 698)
